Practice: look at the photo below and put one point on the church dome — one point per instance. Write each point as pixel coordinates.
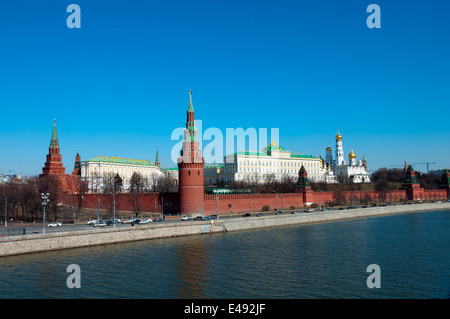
(328, 149)
(338, 137)
(351, 155)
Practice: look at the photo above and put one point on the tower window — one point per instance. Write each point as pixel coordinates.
(189, 172)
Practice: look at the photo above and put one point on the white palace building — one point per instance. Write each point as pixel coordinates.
(276, 162)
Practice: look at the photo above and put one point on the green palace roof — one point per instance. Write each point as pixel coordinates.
(267, 151)
(118, 160)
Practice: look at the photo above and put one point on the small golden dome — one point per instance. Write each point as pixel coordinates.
(328, 148)
(273, 143)
(338, 137)
(351, 155)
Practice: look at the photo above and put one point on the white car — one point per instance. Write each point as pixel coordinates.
(94, 221)
(309, 210)
(145, 221)
(101, 224)
(55, 224)
(185, 218)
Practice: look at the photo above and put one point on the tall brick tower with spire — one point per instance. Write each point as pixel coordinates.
(54, 164)
(54, 168)
(190, 167)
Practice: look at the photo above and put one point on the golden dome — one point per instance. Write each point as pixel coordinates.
(328, 148)
(338, 137)
(273, 143)
(351, 155)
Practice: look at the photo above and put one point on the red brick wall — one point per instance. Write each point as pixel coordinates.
(251, 202)
(242, 202)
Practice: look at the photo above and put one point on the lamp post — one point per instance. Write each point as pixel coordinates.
(217, 206)
(6, 210)
(114, 209)
(98, 204)
(44, 204)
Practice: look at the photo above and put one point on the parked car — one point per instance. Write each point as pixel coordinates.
(207, 218)
(145, 221)
(184, 218)
(213, 216)
(55, 224)
(101, 224)
(135, 221)
(259, 214)
(279, 212)
(128, 221)
(198, 218)
(325, 209)
(374, 205)
(351, 207)
(309, 210)
(246, 215)
(91, 222)
(342, 208)
(295, 212)
(160, 219)
(108, 222)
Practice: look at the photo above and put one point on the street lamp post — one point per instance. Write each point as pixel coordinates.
(217, 206)
(44, 204)
(98, 204)
(114, 209)
(6, 210)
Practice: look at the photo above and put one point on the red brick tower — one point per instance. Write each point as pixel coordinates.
(303, 185)
(190, 167)
(54, 164)
(411, 185)
(77, 168)
(445, 182)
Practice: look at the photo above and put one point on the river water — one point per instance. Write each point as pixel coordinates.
(325, 260)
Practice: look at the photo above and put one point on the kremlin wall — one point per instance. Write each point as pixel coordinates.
(191, 198)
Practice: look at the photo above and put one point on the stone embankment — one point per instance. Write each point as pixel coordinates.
(72, 239)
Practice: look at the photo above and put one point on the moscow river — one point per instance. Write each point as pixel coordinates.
(325, 260)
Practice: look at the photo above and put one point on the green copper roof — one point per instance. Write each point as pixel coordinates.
(190, 106)
(54, 141)
(118, 160)
(157, 156)
(303, 156)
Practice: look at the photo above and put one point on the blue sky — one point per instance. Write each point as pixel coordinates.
(119, 84)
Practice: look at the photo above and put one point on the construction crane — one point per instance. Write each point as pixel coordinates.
(426, 163)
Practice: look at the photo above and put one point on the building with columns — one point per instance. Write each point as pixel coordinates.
(97, 170)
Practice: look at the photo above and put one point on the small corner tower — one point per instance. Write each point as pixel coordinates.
(411, 185)
(303, 185)
(77, 167)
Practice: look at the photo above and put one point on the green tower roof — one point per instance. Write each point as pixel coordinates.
(54, 141)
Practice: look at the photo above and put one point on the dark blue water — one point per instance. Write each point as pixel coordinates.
(326, 260)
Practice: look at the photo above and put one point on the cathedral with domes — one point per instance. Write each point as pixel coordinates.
(338, 169)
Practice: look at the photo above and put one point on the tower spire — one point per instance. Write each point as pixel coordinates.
(54, 141)
(157, 162)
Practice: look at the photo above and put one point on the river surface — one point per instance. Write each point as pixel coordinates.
(325, 260)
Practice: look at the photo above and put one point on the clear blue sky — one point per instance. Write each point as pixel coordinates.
(119, 85)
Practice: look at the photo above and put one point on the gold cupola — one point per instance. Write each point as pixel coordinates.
(352, 155)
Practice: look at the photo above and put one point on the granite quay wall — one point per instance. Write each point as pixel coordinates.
(65, 240)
